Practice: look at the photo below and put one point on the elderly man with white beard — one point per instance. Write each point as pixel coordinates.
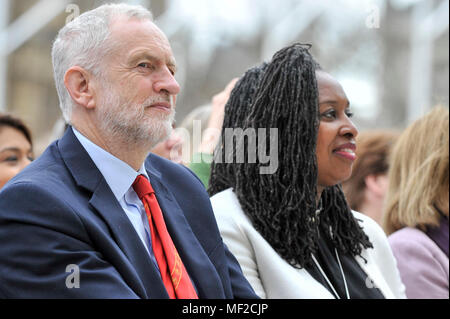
(96, 216)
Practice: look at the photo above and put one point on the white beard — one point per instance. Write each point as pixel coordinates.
(131, 123)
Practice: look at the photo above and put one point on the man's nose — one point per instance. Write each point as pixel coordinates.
(167, 82)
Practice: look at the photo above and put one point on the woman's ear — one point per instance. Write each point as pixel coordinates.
(377, 184)
(78, 83)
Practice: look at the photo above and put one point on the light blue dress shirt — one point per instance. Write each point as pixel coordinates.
(120, 178)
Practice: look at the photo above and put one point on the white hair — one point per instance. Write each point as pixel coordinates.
(83, 42)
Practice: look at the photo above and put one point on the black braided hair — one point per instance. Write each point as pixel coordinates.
(282, 205)
(223, 171)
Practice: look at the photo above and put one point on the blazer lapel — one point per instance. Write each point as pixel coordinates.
(201, 271)
(375, 278)
(125, 236)
(86, 175)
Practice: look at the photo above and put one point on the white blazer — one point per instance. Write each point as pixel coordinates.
(272, 277)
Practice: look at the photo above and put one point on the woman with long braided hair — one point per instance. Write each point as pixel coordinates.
(292, 230)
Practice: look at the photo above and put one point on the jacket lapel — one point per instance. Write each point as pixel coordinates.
(140, 267)
(126, 238)
(375, 278)
(201, 271)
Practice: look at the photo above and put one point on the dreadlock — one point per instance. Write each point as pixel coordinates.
(223, 172)
(282, 205)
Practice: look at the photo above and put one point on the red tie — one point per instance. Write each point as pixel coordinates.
(174, 275)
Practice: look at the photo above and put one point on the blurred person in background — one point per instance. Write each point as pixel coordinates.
(366, 189)
(171, 148)
(198, 116)
(416, 216)
(292, 230)
(16, 147)
(202, 156)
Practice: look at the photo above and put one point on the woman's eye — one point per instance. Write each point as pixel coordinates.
(11, 159)
(349, 114)
(330, 114)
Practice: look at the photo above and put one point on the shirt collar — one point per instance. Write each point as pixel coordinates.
(118, 175)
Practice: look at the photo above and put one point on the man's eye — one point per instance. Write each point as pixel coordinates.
(349, 114)
(144, 65)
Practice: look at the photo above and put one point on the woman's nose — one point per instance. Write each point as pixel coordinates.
(349, 129)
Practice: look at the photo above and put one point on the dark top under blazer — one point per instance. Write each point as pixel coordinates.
(60, 211)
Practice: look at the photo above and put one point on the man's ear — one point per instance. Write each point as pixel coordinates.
(78, 83)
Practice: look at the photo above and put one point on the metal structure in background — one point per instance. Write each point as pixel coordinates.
(426, 26)
(291, 27)
(4, 18)
(12, 36)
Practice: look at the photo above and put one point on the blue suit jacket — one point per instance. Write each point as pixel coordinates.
(60, 211)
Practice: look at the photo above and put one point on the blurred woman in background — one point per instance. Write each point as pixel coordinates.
(171, 148)
(15, 147)
(366, 189)
(202, 157)
(416, 214)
